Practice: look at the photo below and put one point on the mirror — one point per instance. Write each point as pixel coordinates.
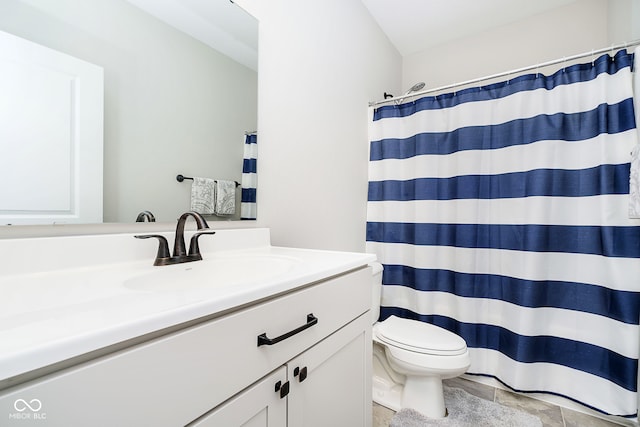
(173, 104)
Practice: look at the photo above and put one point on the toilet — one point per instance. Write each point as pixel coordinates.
(411, 358)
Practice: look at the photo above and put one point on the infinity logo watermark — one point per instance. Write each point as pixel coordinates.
(27, 410)
(22, 405)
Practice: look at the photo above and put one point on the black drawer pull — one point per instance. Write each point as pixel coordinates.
(264, 340)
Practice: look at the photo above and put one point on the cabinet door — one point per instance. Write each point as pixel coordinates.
(260, 405)
(331, 382)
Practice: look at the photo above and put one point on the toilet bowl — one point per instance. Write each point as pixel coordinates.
(411, 358)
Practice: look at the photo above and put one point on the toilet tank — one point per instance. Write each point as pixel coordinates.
(376, 290)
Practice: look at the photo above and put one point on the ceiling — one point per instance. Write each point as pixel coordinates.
(411, 25)
(218, 23)
(415, 25)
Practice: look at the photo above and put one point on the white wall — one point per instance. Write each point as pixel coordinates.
(624, 21)
(320, 62)
(573, 29)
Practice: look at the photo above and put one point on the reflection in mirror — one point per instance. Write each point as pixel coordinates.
(172, 103)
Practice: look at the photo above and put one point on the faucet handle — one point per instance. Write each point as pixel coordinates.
(194, 248)
(163, 248)
(145, 214)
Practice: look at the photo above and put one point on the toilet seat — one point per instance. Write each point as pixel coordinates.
(419, 337)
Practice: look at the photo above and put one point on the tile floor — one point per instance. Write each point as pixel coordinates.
(550, 415)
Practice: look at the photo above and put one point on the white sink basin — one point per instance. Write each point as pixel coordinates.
(214, 272)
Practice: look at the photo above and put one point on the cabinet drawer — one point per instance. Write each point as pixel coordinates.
(176, 378)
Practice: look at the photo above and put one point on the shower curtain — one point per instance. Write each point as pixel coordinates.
(501, 213)
(248, 209)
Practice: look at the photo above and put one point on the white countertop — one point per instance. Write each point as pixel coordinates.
(50, 316)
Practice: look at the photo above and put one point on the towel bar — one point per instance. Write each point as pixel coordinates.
(181, 178)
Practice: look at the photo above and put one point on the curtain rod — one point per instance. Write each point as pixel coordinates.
(506, 73)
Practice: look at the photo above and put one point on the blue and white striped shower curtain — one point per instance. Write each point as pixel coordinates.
(500, 213)
(248, 207)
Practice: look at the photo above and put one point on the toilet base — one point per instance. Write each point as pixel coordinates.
(395, 391)
(387, 394)
(425, 395)
(387, 385)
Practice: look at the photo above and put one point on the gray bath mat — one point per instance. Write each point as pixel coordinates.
(466, 410)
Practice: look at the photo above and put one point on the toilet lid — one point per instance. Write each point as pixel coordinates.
(420, 337)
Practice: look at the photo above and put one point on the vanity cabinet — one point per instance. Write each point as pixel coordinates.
(216, 373)
(325, 386)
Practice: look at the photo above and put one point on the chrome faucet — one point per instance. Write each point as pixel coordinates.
(180, 254)
(145, 215)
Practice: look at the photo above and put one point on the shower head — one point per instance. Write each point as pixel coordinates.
(416, 87)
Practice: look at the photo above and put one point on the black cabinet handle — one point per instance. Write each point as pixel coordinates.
(264, 340)
(302, 373)
(282, 388)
